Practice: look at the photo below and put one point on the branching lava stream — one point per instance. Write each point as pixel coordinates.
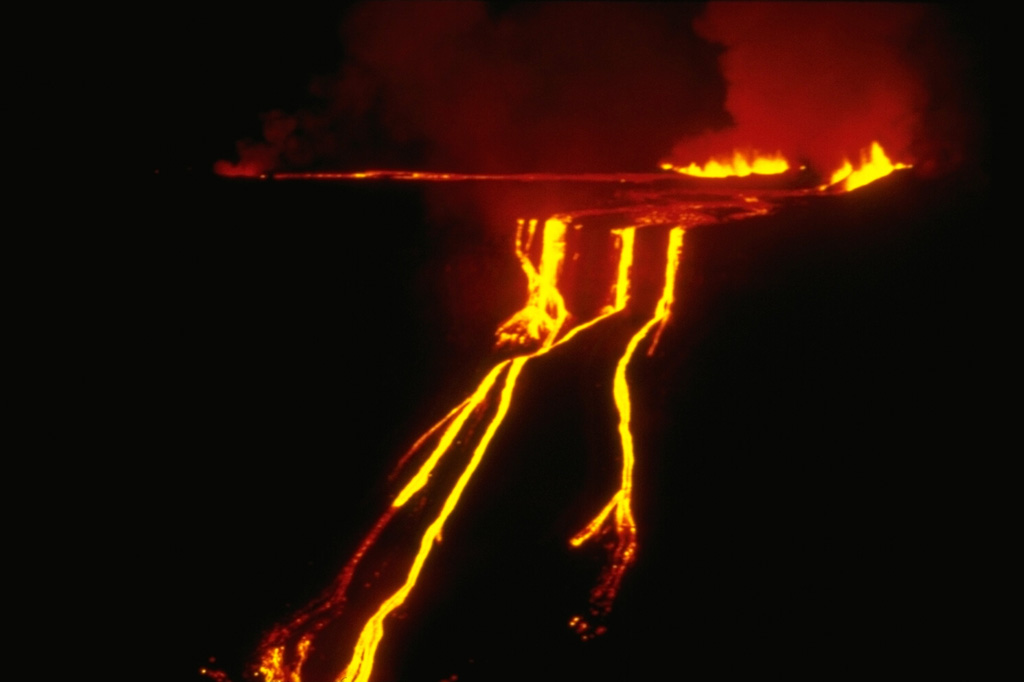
(458, 443)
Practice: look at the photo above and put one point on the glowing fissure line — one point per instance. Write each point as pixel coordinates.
(621, 501)
(361, 665)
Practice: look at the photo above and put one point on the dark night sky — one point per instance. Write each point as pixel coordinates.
(217, 66)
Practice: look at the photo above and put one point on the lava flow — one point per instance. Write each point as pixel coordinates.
(621, 502)
(343, 629)
(533, 331)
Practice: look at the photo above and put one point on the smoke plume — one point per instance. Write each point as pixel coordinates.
(476, 87)
(820, 81)
(511, 87)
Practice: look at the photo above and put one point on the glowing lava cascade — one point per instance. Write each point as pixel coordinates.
(625, 526)
(533, 331)
(387, 565)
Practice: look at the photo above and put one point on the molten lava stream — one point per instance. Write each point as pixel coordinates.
(540, 320)
(741, 164)
(624, 526)
(532, 332)
(286, 650)
(874, 164)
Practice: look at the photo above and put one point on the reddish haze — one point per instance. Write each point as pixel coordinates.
(513, 87)
(820, 82)
(463, 87)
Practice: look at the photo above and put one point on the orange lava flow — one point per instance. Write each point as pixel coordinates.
(624, 551)
(215, 675)
(540, 320)
(431, 176)
(544, 313)
(874, 164)
(627, 235)
(531, 332)
(361, 665)
(741, 165)
(464, 434)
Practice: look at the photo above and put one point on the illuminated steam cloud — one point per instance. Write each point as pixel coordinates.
(468, 87)
(513, 87)
(820, 81)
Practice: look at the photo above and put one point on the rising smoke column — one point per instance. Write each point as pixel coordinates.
(820, 82)
(500, 87)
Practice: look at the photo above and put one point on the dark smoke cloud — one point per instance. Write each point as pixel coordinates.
(505, 87)
(821, 81)
(480, 87)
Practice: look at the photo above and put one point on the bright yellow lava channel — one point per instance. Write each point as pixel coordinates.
(621, 502)
(540, 320)
(531, 332)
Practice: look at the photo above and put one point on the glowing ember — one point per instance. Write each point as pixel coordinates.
(874, 164)
(215, 675)
(742, 164)
(627, 235)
